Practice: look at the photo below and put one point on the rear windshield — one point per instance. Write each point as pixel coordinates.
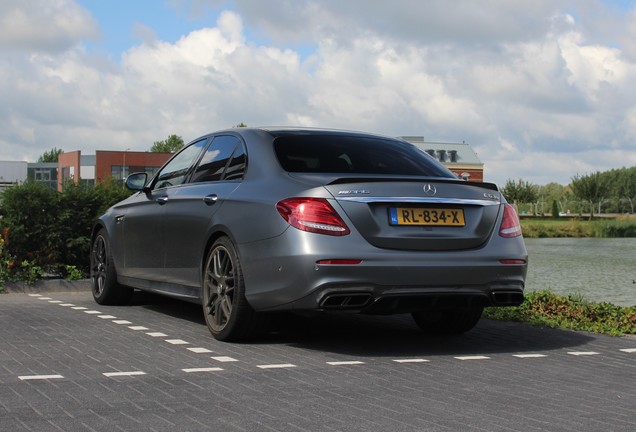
(355, 155)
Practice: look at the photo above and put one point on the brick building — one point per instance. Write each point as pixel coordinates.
(106, 164)
(460, 158)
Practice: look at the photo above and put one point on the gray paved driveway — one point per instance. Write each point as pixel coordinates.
(67, 364)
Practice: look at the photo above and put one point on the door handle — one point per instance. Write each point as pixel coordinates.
(162, 200)
(210, 199)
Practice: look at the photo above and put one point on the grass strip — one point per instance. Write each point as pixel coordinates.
(569, 312)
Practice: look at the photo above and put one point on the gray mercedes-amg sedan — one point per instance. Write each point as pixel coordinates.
(249, 221)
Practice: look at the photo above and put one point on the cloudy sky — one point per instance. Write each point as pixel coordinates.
(542, 89)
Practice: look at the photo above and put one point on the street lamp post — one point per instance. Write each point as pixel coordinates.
(123, 166)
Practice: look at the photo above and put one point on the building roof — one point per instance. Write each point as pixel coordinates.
(449, 153)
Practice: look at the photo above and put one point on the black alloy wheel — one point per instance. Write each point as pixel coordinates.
(227, 314)
(106, 290)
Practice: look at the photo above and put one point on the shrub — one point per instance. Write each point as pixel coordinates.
(50, 231)
(573, 312)
(615, 228)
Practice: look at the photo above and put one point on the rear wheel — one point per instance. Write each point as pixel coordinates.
(448, 321)
(228, 315)
(106, 290)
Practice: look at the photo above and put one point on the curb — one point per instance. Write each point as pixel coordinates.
(47, 285)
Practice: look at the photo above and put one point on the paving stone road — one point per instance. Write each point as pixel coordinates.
(68, 364)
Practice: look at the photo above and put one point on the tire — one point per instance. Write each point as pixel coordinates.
(228, 315)
(448, 321)
(106, 290)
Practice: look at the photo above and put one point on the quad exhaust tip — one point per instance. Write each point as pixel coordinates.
(507, 298)
(346, 301)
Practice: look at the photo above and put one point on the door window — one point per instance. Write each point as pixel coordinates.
(176, 171)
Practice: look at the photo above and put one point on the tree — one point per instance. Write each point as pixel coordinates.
(626, 187)
(240, 125)
(520, 192)
(591, 188)
(555, 210)
(51, 155)
(173, 144)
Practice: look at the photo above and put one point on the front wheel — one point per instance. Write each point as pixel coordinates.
(448, 321)
(227, 314)
(106, 290)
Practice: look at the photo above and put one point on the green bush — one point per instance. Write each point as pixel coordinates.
(615, 228)
(572, 312)
(47, 231)
(543, 228)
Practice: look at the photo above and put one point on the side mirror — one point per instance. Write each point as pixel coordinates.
(136, 181)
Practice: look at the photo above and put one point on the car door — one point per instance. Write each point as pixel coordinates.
(191, 208)
(143, 219)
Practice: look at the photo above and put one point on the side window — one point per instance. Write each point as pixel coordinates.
(176, 171)
(236, 169)
(220, 160)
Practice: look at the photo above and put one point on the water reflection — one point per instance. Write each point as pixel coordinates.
(599, 269)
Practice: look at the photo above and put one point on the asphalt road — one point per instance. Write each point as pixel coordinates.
(68, 364)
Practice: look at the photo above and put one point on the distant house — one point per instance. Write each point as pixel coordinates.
(16, 172)
(460, 158)
(43, 172)
(12, 172)
(102, 165)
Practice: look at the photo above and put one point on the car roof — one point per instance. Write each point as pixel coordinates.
(279, 131)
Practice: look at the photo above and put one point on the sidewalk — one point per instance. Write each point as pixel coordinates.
(47, 285)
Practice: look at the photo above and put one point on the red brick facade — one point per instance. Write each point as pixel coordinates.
(70, 167)
(476, 175)
(135, 161)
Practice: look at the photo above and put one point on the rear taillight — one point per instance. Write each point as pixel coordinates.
(510, 225)
(312, 214)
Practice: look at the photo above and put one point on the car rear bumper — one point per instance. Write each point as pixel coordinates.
(385, 281)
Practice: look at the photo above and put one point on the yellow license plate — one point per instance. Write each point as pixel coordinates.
(426, 216)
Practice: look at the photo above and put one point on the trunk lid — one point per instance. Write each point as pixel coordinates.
(420, 214)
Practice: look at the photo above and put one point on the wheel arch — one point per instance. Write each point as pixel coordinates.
(97, 227)
(213, 237)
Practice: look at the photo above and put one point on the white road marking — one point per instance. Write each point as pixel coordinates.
(415, 360)
(45, 298)
(122, 322)
(157, 334)
(583, 353)
(39, 377)
(138, 328)
(67, 304)
(177, 342)
(224, 359)
(468, 358)
(200, 350)
(208, 369)
(55, 301)
(276, 366)
(123, 374)
(110, 317)
(79, 308)
(35, 295)
(92, 312)
(345, 363)
(523, 356)
(628, 350)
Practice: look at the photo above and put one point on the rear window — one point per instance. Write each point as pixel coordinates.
(355, 155)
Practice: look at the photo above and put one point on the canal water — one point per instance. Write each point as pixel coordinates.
(598, 269)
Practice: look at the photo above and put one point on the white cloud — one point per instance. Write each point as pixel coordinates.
(44, 25)
(529, 85)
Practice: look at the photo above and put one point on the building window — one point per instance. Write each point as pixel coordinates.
(42, 175)
(119, 172)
